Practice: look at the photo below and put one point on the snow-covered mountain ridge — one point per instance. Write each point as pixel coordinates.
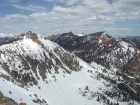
(35, 71)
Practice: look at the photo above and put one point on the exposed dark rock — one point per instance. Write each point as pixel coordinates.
(22, 103)
(6, 101)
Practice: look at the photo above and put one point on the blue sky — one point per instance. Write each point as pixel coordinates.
(116, 17)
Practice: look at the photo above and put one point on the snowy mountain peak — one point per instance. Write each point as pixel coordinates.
(29, 35)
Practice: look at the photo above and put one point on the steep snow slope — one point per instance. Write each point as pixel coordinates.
(69, 89)
(16, 92)
(65, 91)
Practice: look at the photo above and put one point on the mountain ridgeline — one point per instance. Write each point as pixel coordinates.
(100, 48)
(67, 69)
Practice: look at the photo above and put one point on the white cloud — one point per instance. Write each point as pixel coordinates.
(72, 2)
(73, 10)
(13, 1)
(124, 29)
(91, 18)
(15, 17)
(101, 9)
(77, 15)
(67, 2)
(30, 7)
(8, 26)
(11, 27)
(48, 0)
(88, 15)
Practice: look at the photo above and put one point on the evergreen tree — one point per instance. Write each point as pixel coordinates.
(98, 99)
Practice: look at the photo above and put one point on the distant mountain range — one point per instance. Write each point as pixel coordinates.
(134, 37)
(5, 37)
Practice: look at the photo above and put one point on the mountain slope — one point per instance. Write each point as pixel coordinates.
(99, 47)
(37, 71)
(132, 41)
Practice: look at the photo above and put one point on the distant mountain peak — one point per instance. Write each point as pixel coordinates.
(101, 34)
(28, 35)
(97, 34)
(68, 34)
